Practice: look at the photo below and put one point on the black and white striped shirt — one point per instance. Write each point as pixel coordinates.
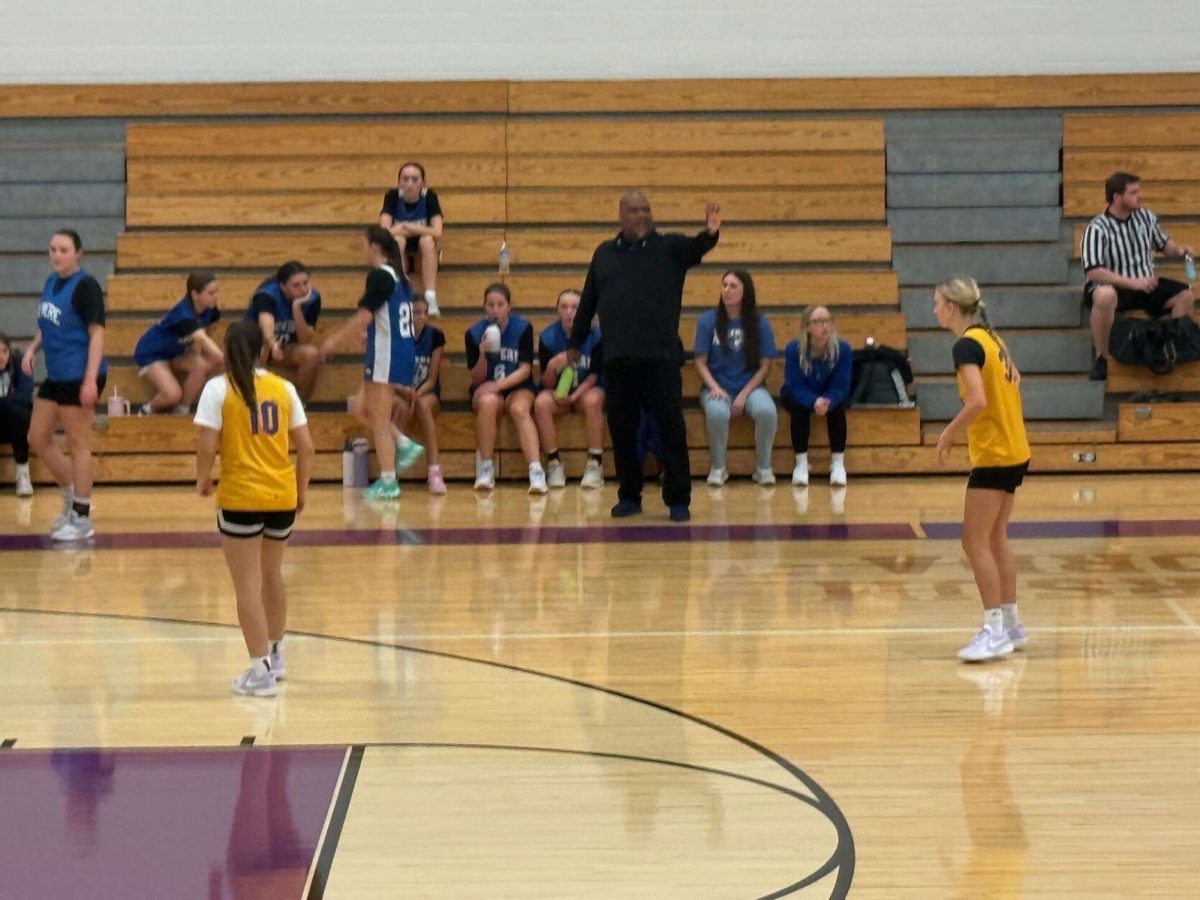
(1126, 246)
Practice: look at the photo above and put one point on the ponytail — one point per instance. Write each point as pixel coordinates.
(964, 293)
(243, 350)
(386, 242)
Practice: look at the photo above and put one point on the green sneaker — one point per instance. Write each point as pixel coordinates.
(407, 455)
(382, 490)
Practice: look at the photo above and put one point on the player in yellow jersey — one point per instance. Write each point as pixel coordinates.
(254, 418)
(989, 386)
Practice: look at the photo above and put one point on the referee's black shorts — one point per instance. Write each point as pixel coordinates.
(238, 523)
(1153, 303)
(998, 478)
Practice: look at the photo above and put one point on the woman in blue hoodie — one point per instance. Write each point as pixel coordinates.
(16, 407)
(816, 380)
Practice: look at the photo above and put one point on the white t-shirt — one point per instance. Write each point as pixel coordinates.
(212, 401)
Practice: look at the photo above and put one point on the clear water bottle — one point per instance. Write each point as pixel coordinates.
(491, 341)
(1189, 267)
(503, 260)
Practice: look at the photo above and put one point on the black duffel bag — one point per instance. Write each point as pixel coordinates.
(1158, 344)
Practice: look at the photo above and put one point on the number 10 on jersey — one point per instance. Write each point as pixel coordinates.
(265, 418)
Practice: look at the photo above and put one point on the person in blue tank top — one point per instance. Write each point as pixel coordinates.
(426, 402)
(586, 394)
(500, 360)
(70, 334)
(412, 213)
(734, 350)
(385, 311)
(177, 348)
(286, 308)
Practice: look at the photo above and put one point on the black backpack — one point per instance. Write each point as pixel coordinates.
(878, 377)
(1158, 344)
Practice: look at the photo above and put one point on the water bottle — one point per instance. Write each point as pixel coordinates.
(503, 260)
(362, 459)
(1189, 267)
(491, 341)
(347, 464)
(566, 381)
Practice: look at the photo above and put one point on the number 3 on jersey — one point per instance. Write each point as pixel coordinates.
(265, 417)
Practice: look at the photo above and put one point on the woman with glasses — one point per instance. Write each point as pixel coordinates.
(816, 381)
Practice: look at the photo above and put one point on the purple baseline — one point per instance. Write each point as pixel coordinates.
(206, 823)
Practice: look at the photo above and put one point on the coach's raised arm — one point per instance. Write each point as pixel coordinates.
(635, 284)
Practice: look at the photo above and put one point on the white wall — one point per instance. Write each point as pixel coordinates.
(47, 41)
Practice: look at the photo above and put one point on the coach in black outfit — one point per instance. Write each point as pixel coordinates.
(635, 283)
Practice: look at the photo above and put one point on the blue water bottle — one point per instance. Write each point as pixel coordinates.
(1189, 267)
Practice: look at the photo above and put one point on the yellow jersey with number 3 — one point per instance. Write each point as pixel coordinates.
(997, 436)
(257, 472)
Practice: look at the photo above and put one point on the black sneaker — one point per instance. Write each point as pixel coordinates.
(626, 508)
(679, 513)
(1099, 369)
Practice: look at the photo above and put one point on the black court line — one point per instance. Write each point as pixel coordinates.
(334, 833)
(844, 858)
(248, 741)
(8, 743)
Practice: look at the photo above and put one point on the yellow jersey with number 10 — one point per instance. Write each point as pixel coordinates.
(997, 436)
(257, 474)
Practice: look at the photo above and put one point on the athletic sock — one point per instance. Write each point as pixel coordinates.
(387, 475)
(264, 661)
(82, 506)
(597, 455)
(552, 456)
(993, 621)
(273, 649)
(1011, 620)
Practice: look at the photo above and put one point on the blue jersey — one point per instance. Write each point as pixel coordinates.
(553, 341)
(64, 333)
(167, 338)
(285, 323)
(516, 342)
(391, 355)
(424, 344)
(728, 364)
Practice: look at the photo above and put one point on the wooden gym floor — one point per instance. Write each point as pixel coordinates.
(513, 697)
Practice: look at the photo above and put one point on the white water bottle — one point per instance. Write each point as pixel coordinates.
(347, 464)
(491, 339)
(503, 260)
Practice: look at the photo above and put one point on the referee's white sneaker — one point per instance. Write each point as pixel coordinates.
(987, 645)
(76, 528)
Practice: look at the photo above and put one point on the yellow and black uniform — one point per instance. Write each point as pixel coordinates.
(257, 491)
(996, 440)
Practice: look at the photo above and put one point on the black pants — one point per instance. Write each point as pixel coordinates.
(14, 429)
(835, 420)
(656, 386)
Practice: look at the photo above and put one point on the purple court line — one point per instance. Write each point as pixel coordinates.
(435, 537)
(1082, 528)
(215, 823)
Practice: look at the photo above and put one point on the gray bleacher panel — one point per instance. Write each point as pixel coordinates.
(17, 316)
(974, 226)
(1033, 351)
(62, 164)
(988, 264)
(32, 235)
(969, 155)
(62, 200)
(62, 132)
(990, 190)
(1031, 307)
(1041, 398)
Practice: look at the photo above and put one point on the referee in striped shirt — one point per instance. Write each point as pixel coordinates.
(1118, 257)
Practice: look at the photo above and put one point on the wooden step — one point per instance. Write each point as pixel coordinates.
(121, 334)
(1123, 379)
(229, 249)
(1046, 431)
(1141, 422)
(786, 286)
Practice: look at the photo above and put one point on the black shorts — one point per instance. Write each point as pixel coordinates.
(1153, 303)
(66, 393)
(237, 523)
(998, 478)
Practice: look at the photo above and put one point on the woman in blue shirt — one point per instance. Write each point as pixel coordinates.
(177, 346)
(734, 349)
(816, 379)
(586, 395)
(500, 359)
(71, 335)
